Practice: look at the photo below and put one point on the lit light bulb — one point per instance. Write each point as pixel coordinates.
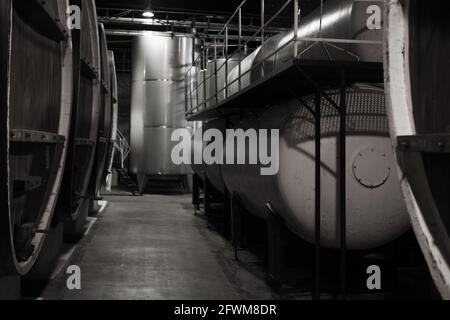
(148, 14)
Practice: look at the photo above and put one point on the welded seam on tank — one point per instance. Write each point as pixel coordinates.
(166, 127)
(162, 80)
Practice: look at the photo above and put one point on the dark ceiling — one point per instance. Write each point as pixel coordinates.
(203, 6)
(201, 11)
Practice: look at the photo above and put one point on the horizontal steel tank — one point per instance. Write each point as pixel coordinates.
(370, 164)
(341, 19)
(217, 71)
(417, 70)
(160, 63)
(212, 172)
(35, 95)
(245, 74)
(376, 213)
(196, 89)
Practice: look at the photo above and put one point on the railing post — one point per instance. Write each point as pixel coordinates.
(240, 45)
(318, 193)
(215, 70)
(190, 88)
(204, 87)
(343, 183)
(204, 55)
(226, 62)
(262, 22)
(196, 82)
(205, 64)
(186, 96)
(296, 14)
(262, 35)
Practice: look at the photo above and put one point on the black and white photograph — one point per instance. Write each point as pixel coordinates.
(224, 159)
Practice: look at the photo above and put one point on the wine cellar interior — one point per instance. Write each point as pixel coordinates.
(236, 150)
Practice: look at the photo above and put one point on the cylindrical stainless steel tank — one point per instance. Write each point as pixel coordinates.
(376, 213)
(417, 70)
(341, 19)
(35, 97)
(160, 63)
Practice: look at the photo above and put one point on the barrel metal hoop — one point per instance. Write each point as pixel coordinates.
(84, 142)
(428, 143)
(31, 136)
(88, 70)
(42, 18)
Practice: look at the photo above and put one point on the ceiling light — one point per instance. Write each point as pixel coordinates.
(148, 14)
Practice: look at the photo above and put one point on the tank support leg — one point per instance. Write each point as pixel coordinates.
(236, 223)
(317, 200)
(142, 181)
(342, 183)
(316, 112)
(342, 188)
(206, 198)
(196, 192)
(278, 271)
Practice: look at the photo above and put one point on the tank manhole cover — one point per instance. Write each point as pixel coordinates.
(371, 168)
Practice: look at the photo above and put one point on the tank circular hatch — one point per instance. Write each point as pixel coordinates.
(371, 167)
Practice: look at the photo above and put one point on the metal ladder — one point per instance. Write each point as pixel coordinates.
(128, 181)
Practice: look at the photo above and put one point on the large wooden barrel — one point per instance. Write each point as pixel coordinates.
(104, 130)
(73, 202)
(417, 80)
(35, 98)
(114, 115)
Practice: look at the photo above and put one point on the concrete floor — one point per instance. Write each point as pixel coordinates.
(153, 247)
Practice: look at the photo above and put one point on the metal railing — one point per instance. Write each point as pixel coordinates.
(123, 147)
(219, 53)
